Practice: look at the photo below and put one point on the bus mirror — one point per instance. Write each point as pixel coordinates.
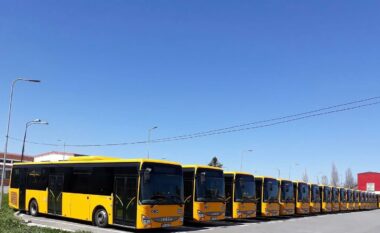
(203, 177)
(146, 175)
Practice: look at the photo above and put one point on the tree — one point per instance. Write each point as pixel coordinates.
(215, 162)
(305, 177)
(334, 176)
(325, 180)
(350, 181)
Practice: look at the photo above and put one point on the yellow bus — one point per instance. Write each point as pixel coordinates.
(342, 199)
(302, 197)
(350, 199)
(362, 201)
(134, 193)
(378, 201)
(356, 199)
(326, 199)
(204, 193)
(287, 205)
(267, 191)
(335, 199)
(373, 201)
(315, 198)
(240, 195)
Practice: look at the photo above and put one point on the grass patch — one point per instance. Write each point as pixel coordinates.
(10, 224)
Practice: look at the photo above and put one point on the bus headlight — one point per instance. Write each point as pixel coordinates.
(146, 220)
(201, 214)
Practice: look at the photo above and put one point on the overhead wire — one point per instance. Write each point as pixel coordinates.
(235, 128)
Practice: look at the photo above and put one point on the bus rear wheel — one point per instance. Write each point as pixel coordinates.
(100, 218)
(33, 208)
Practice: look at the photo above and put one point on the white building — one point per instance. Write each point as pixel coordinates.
(54, 156)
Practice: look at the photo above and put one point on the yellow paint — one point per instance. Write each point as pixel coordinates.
(326, 207)
(343, 206)
(287, 208)
(350, 206)
(243, 210)
(81, 206)
(335, 207)
(40, 196)
(315, 207)
(13, 198)
(270, 209)
(208, 211)
(157, 215)
(302, 208)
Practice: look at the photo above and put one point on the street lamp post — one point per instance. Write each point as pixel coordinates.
(149, 136)
(64, 148)
(7, 132)
(290, 169)
(34, 122)
(241, 159)
(278, 172)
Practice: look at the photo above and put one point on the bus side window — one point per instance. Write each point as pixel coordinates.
(15, 180)
(37, 178)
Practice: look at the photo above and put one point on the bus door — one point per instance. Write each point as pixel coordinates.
(22, 189)
(229, 189)
(259, 195)
(55, 189)
(125, 200)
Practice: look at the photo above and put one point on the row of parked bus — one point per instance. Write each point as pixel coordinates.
(145, 194)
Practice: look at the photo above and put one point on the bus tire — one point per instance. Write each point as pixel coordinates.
(100, 218)
(33, 208)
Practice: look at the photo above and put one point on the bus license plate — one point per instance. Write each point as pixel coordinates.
(213, 218)
(166, 225)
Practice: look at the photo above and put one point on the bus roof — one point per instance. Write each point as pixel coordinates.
(201, 166)
(285, 180)
(263, 177)
(298, 181)
(238, 173)
(99, 159)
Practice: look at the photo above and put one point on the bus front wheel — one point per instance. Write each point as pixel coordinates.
(33, 208)
(100, 218)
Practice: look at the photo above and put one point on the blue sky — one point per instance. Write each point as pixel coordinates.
(113, 69)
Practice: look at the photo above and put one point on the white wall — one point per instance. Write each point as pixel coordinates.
(53, 157)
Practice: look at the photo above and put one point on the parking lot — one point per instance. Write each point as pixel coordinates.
(354, 222)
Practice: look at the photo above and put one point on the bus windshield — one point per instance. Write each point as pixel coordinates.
(327, 194)
(245, 189)
(303, 192)
(161, 184)
(270, 190)
(315, 193)
(356, 196)
(350, 197)
(335, 195)
(210, 185)
(287, 191)
(343, 195)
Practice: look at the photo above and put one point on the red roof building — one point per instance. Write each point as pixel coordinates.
(369, 181)
(11, 158)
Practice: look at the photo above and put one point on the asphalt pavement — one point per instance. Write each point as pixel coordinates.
(354, 222)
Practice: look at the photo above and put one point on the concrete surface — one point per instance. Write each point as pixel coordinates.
(354, 222)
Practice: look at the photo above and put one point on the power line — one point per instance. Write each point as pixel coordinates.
(277, 118)
(236, 128)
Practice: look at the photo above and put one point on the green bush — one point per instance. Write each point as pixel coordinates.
(10, 224)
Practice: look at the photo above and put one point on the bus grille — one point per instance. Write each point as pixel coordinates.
(213, 213)
(165, 219)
